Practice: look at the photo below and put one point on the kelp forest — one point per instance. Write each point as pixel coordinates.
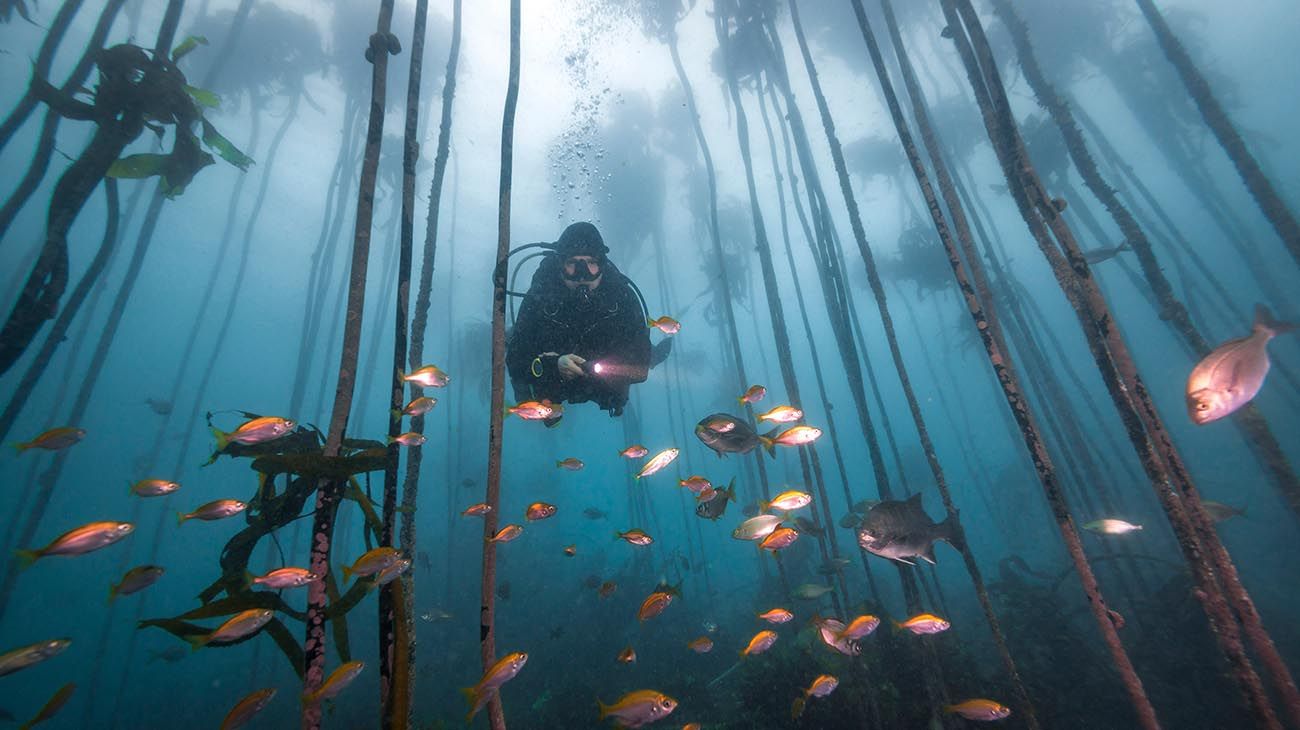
(630, 363)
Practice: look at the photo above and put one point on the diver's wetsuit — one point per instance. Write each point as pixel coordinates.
(605, 327)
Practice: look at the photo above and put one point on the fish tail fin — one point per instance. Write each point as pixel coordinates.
(730, 491)
(112, 594)
(950, 531)
(223, 438)
(248, 580)
(20, 447)
(395, 413)
(347, 573)
(604, 709)
(1264, 320)
(26, 558)
(201, 640)
(401, 375)
(769, 441)
(180, 518)
(949, 709)
(796, 709)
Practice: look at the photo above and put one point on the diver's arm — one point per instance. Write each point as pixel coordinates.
(526, 362)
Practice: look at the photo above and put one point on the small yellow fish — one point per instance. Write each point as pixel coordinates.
(788, 500)
(281, 578)
(78, 541)
(531, 410)
(662, 459)
(776, 616)
(627, 656)
(781, 414)
(428, 376)
(338, 679)
(761, 642)
(256, 431)
(245, 709)
(635, 451)
(860, 627)
(506, 534)
(153, 487)
(1111, 526)
(779, 539)
(823, 685)
(656, 602)
(477, 510)
(794, 436)
(702, 645)
(666, 325)
(373, 561)
(503, 671)
(925, 623)
(417, 406)
(754, 394)
(695, 483)
(410, 438)
(570, 463)
(636, 536)
(570, 550)
(215, 510)
(53, 439)
(236, 627)
(539, 511)
(639, 708)
(979, 710)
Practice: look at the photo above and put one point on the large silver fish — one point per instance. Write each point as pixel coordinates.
(901, 530)
(1230, 376)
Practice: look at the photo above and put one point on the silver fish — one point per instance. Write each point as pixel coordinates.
(1230, 376)
(1098, 255)
(900, 530)
(756, 528)
(25, 656)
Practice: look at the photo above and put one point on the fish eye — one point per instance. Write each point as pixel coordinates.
(1202, 406)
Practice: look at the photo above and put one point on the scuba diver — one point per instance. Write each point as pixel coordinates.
(581, 333)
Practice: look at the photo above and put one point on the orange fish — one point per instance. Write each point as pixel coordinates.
(823, 685)
(781, 414)
(635, 451)
(410, 438)
(477, 510)
(636, 536)
(754, 394)
(925, 623)
(761, 642)
(796, 436)
(539, 511)
(256, 431)
(702, 645)
(666, 325)
(215, 510)
(88, 537)
(531, 410)
(570, 464)
(656, 602)
(776, 616)
(781, 537)
(570, 550)
(627, 656)
(503, 671)
(54, 439)
(979, 710)
(639, 708)
(506, 534)
(860, 627)
(695, 483)
(428, 376)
